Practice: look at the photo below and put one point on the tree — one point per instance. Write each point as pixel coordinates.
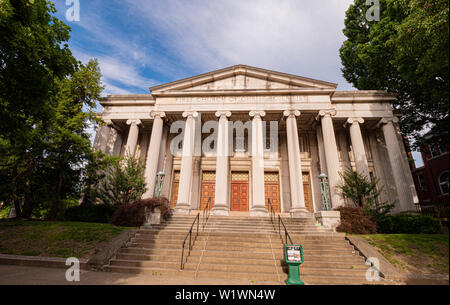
(124, 182)
(69, 144)
(34, 55)
(47, 100)
(364, 193)
(405, 52)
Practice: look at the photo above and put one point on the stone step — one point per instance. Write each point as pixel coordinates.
(268, 254)
(314, 236)
(271, 269)
(157, 272)
(264, 249)
(354, 264)
(233, 244)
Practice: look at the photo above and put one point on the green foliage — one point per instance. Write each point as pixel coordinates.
(364, 193)
(406, 223)
(406, 52)
(46, 106)
(123, 182)
(100, 213)
(355, 221)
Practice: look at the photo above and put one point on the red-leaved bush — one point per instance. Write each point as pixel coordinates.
(133, 214)
(355, 221)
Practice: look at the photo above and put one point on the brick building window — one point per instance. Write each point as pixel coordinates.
(422, 184)
(443, 183)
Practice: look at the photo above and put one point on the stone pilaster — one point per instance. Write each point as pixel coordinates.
(133, 136)
(405, 190)
(298, 208)
(359, 152)
(221, 205)
(258, 206)
(331, 155)
(183, 205)
(153, 151)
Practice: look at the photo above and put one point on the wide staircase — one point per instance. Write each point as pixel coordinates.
(240, 248)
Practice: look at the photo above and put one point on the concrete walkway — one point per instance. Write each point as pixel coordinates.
(20, 275)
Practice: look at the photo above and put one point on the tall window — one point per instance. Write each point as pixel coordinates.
(433, 150)
(443, 183)
(422, 184)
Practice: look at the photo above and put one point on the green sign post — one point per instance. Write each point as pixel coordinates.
(293, 255)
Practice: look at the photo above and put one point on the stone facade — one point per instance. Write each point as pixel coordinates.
(317, 130)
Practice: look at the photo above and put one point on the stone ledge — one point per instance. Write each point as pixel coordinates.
(387, 270)
(102, 258)
(38, 261)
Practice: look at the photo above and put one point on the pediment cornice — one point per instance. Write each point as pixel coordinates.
(290, 80)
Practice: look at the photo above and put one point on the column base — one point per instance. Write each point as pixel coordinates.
(182, 209)
(300, 213)
(259, 212)
(329, 219)
(220, 211)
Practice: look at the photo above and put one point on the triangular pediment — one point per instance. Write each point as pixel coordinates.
(242, 77)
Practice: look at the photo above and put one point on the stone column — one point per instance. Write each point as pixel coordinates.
(404, 191)
(184, 192)
(133, 136)
(258, 207)
(221, 206)
(153, 151)
(298, 208)
(359, 152)
(331, 155)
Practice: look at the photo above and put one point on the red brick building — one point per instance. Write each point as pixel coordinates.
(432, 179)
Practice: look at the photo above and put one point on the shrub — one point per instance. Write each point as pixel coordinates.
(89, 213)
(133, 214)
(407, 223)
(355, 221)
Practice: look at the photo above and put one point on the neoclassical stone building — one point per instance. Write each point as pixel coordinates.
(318, 130)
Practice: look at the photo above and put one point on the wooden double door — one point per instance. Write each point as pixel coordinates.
(272, 190)
(208, 189)
(175, 187)
(239, 192)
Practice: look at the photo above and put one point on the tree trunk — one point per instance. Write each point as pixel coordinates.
(28, 203)
(56, 200)
(15, 196)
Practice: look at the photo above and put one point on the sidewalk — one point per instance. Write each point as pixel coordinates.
(19, 275)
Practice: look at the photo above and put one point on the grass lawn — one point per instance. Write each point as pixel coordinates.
(414, 253)
(55, 239)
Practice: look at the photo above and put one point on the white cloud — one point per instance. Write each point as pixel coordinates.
(297, 36)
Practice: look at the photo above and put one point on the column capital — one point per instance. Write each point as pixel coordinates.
(190, 114)
(136, 122)
(159, 114)
(385, 121)
(108, 122)
(223, 114)
(351, 121)
(257, 113)
(327, 113)
(291, 113)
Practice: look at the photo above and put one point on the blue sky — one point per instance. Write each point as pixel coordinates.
(142, 43)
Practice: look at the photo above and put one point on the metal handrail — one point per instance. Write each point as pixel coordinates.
(271, 212)
(189, 234)
(286, 233)
(206, 213)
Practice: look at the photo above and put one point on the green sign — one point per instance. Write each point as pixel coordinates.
(293, 255)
